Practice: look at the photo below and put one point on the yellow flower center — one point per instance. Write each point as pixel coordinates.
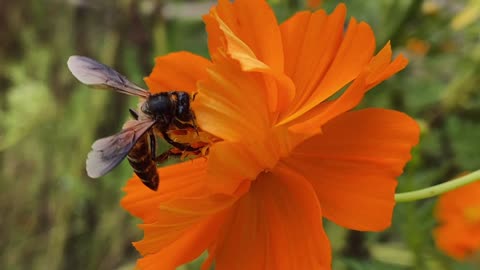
(472, 214)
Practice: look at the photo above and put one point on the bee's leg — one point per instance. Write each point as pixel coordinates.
(178, 153)
(180, 146)
(163, 157)
(181, 125)
(153, 145)
(194, 121)
(133, 113)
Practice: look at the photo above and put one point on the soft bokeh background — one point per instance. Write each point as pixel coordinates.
(52, 216)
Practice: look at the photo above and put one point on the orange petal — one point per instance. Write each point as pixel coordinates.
(453, 205)
(285, 141)
(177, 71)
(354, 54)
(353, 165)
(248, 32)
(457, 240)
(290, 37)
(327, 110)
(254, 23)
(311, 42)
(232, 163)
(231, 104)
(190, 243)
(229, 165)
(276, 225)
(180, 220)
(175, 181)
(458, 211)
(379, 69)
(330, 68)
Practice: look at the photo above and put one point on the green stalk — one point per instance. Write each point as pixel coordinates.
(438, 189)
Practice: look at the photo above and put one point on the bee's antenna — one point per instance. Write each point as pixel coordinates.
(133, 113)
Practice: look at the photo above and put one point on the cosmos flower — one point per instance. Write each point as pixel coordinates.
(289, 150)
(458, 214)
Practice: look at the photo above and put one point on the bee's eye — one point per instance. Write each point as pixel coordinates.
(183, 108)
(183, 98)
(145, 108)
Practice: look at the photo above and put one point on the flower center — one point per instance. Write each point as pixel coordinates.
(472, 214)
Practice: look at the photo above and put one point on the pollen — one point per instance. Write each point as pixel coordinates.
(200, 140)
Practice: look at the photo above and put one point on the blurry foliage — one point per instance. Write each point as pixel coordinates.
(54, 217)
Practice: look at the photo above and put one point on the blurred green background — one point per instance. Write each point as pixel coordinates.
(52, 216)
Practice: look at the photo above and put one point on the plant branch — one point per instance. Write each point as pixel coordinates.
(438, 189)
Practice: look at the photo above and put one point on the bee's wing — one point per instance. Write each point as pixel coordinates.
(108, 152)
(93, 73)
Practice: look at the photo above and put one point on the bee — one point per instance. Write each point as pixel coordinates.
(158, 114)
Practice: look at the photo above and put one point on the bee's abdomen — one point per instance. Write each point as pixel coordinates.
(143, 164)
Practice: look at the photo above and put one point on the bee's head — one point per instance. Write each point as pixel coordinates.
(156, 105)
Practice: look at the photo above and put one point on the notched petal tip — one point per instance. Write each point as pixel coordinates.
(254, 42)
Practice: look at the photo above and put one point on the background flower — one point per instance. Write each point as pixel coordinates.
(458, 214)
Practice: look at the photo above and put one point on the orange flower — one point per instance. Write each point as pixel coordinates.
(458, 213)
(313, 4)
(418, 46)
(289, 154)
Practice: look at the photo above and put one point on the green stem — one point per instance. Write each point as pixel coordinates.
(438, 189)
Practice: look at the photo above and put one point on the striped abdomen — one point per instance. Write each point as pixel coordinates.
(143, 163)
